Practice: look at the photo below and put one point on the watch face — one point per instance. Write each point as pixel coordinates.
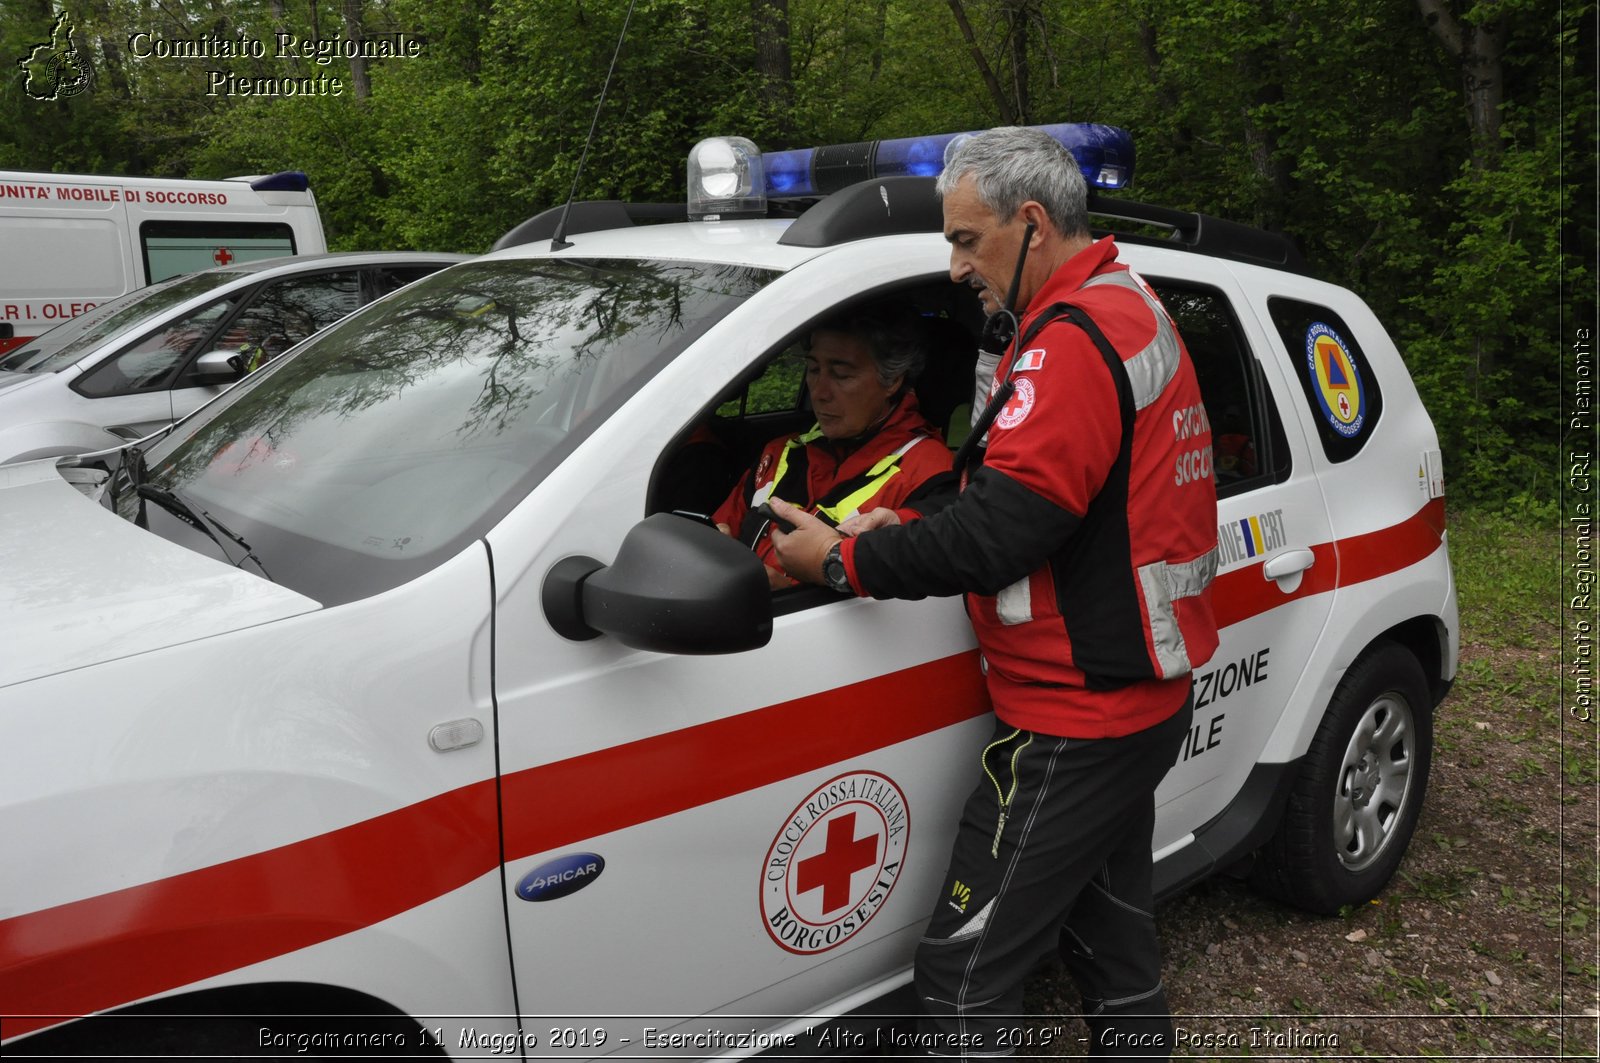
(833, 570)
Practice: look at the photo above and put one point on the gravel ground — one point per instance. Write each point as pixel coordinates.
(1481, 944)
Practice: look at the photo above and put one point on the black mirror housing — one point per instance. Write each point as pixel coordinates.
(677, 586)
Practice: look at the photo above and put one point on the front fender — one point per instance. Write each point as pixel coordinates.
(53, 439)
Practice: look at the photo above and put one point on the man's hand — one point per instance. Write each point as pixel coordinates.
(803, 549)
(881, 517)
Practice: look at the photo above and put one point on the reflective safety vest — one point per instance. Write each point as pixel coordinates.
(843, 501)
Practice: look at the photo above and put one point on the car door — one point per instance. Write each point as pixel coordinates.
(749, 835)
(1273, 565)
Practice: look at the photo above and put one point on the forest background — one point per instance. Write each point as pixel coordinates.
(1437, 156)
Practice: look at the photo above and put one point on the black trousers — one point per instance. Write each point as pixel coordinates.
(1053, 852)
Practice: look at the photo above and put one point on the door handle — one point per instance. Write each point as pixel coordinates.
(1288, 563)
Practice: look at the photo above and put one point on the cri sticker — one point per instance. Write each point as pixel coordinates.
(1337, 380)
(1017, 407)
(834, 862)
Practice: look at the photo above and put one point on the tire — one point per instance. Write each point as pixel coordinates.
(1356, 801)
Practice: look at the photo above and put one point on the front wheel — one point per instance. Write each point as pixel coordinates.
(1356, 802)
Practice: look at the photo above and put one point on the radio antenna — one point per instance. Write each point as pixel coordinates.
(558, 242)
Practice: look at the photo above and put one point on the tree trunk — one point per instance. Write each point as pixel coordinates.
(360, 82)
(1020, 15)
(1166, 96)
(1001, 102)
(774, 63)
(1479, 47)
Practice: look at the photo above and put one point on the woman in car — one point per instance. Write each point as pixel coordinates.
(870, 445)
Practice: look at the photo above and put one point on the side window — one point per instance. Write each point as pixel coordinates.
(704, 465)
(174, 247)
(925, 322)
(154, 360)
(1248, 445)
(776, 390)
(285, 312)
(381, 280)
(1340, 388)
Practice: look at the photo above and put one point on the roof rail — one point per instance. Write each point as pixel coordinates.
(885, 206)
(1206, 234)
(880, 206)
(588, 217)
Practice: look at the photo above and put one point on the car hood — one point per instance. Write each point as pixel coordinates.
(80, 585)
(9, 379)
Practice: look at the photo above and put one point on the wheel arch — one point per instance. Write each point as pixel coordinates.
(186, 1018)
(1427, 639)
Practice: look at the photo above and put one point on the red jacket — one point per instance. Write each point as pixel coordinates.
(837, 480)
(1086, 543)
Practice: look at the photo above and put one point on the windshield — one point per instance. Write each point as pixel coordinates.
(69, 341)
(385, 444)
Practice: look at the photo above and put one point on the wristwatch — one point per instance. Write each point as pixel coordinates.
(833, 570)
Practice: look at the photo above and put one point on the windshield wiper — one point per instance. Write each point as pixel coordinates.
(197, 518)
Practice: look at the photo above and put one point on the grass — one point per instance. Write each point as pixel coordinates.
(1507, 581)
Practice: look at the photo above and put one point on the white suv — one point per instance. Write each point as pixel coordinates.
(390, 684)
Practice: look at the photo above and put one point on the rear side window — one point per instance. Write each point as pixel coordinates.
(380, 281)
(1340, 388)
(1247, 441)
(174, 247)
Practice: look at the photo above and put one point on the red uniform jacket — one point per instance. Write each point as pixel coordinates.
(1086, 543)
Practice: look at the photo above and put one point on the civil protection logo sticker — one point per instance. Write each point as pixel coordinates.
(56, 69)
(834, 862)
(1336, 378)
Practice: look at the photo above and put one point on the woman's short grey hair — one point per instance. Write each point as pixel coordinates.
(1011, 165)
(892, 331)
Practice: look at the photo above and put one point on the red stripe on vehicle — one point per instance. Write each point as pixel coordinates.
(1245, 592)
(692, 767)
(104, 951)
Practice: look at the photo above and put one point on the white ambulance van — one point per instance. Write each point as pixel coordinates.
(70, 241)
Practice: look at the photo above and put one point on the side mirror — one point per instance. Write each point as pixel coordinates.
(676, 586)
(217, 367)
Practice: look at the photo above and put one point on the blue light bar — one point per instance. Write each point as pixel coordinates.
(286, 181)
(1104, 154)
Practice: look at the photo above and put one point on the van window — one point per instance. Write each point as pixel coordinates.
(174, 247)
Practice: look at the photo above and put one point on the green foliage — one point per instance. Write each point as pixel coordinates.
(1343, 123)
(1483, 338)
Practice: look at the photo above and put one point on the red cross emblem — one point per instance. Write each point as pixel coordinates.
(222, 256)
(1017, 407)
(842, 856)
(1344, 406)
(833, 863)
